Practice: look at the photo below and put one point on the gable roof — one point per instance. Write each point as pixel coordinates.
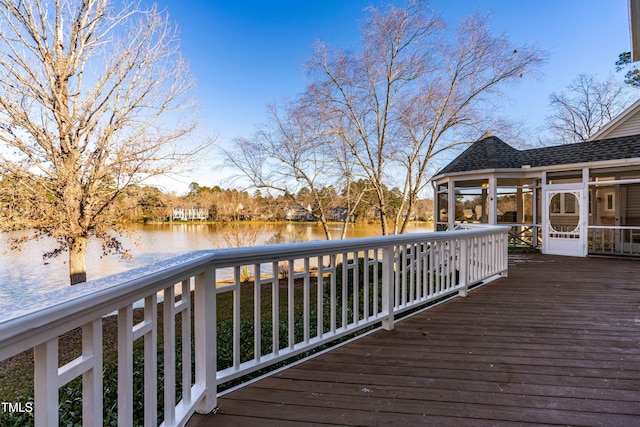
(491, 152)
(625, 123)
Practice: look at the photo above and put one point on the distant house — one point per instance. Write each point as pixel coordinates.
(298, 213)
(190, 214)
(339, 214)
(572, 199)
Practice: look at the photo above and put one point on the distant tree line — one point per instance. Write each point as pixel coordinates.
(150, 204)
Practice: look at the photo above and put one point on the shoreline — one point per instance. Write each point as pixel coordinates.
(25, 274)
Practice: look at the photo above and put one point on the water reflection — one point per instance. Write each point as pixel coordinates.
(24, 273)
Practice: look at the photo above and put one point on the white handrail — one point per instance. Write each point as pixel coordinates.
(345, 286)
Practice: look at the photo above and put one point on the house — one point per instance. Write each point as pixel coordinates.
(298, 213)
(340, 214)
(190, 214)
(572, 199)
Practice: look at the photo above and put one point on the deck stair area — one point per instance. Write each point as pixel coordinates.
(557, 342)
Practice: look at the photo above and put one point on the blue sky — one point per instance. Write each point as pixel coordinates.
(248, 53)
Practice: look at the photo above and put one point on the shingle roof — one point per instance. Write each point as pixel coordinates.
(492, 153)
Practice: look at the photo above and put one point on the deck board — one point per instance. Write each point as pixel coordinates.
(557, 342)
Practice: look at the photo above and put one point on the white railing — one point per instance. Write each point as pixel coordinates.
(614, 240)
(231, 312)
(519, 233)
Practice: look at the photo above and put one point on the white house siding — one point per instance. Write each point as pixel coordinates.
(630, 126)
(190, 214)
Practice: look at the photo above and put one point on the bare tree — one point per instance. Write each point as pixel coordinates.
(353, 193)
(403, 99)
(291, 154)
(88, 93)
(587, 105)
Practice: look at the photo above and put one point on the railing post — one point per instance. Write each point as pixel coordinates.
(125, 366)
(206, 339)
(92, 390)
(46, 383)
(169, 350)
(387, 287)
(463, 262)
(504, 253)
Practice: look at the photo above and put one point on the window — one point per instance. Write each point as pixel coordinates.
(610, 201)
(564, 204)
(442, 203)
(569, 203)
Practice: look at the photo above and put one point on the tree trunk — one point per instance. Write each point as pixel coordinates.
(325, 226)
(407, 215)
(77, 260)
(343, 233)
(383, 220)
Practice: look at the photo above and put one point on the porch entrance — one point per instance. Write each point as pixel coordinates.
(563, 223)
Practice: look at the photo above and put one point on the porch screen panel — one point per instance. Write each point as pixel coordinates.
(515, 204)
(632, 214)
(472, 201)
(442, 207)
(603, 208)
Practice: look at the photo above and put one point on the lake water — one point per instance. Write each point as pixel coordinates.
(23, 273)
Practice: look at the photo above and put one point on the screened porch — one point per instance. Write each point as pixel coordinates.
(611, 211)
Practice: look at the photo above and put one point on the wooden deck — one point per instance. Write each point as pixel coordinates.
(557, 342)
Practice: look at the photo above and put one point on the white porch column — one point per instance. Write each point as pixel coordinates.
(493, 200)
(584, 213)
(544, 215)
(451, 209)
(519, 206)
(534, 218)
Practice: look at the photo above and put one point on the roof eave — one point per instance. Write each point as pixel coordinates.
(550, 168)
(478, 172)
(589, 165)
